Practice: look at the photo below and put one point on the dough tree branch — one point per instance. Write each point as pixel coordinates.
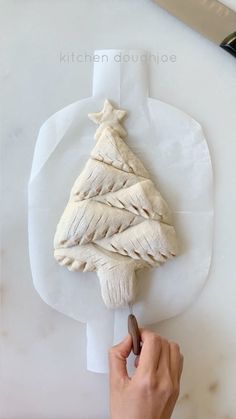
(116, 221)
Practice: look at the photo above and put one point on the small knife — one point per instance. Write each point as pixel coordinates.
(209, 17)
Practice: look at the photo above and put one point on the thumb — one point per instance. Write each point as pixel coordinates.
(117, 358)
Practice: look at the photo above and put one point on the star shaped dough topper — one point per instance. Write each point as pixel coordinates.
(108, 113)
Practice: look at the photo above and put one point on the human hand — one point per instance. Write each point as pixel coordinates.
(153, 390)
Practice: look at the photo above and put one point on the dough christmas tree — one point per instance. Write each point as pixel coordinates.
(116, 221)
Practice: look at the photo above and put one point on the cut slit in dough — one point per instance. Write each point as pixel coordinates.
(115, 221)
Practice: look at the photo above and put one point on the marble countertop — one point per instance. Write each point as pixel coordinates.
(43, 368)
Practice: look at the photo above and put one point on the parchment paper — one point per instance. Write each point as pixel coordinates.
(172, 147)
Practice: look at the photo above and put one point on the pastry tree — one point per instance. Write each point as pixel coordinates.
(116, 221)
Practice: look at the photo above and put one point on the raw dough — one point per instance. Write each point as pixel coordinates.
(115, 221)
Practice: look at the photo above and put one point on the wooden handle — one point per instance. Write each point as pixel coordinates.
(133, 330)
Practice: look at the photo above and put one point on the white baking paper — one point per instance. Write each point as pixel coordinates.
(173, 148)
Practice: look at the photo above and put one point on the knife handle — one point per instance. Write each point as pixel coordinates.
(229, 44)
(133, 330)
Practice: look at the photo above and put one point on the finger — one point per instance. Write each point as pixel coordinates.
(175, 362)
(117, 358)
(151, 350)
(176, 366)
(164, 361)
(181, 366)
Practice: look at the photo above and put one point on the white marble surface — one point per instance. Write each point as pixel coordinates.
(43, 373)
